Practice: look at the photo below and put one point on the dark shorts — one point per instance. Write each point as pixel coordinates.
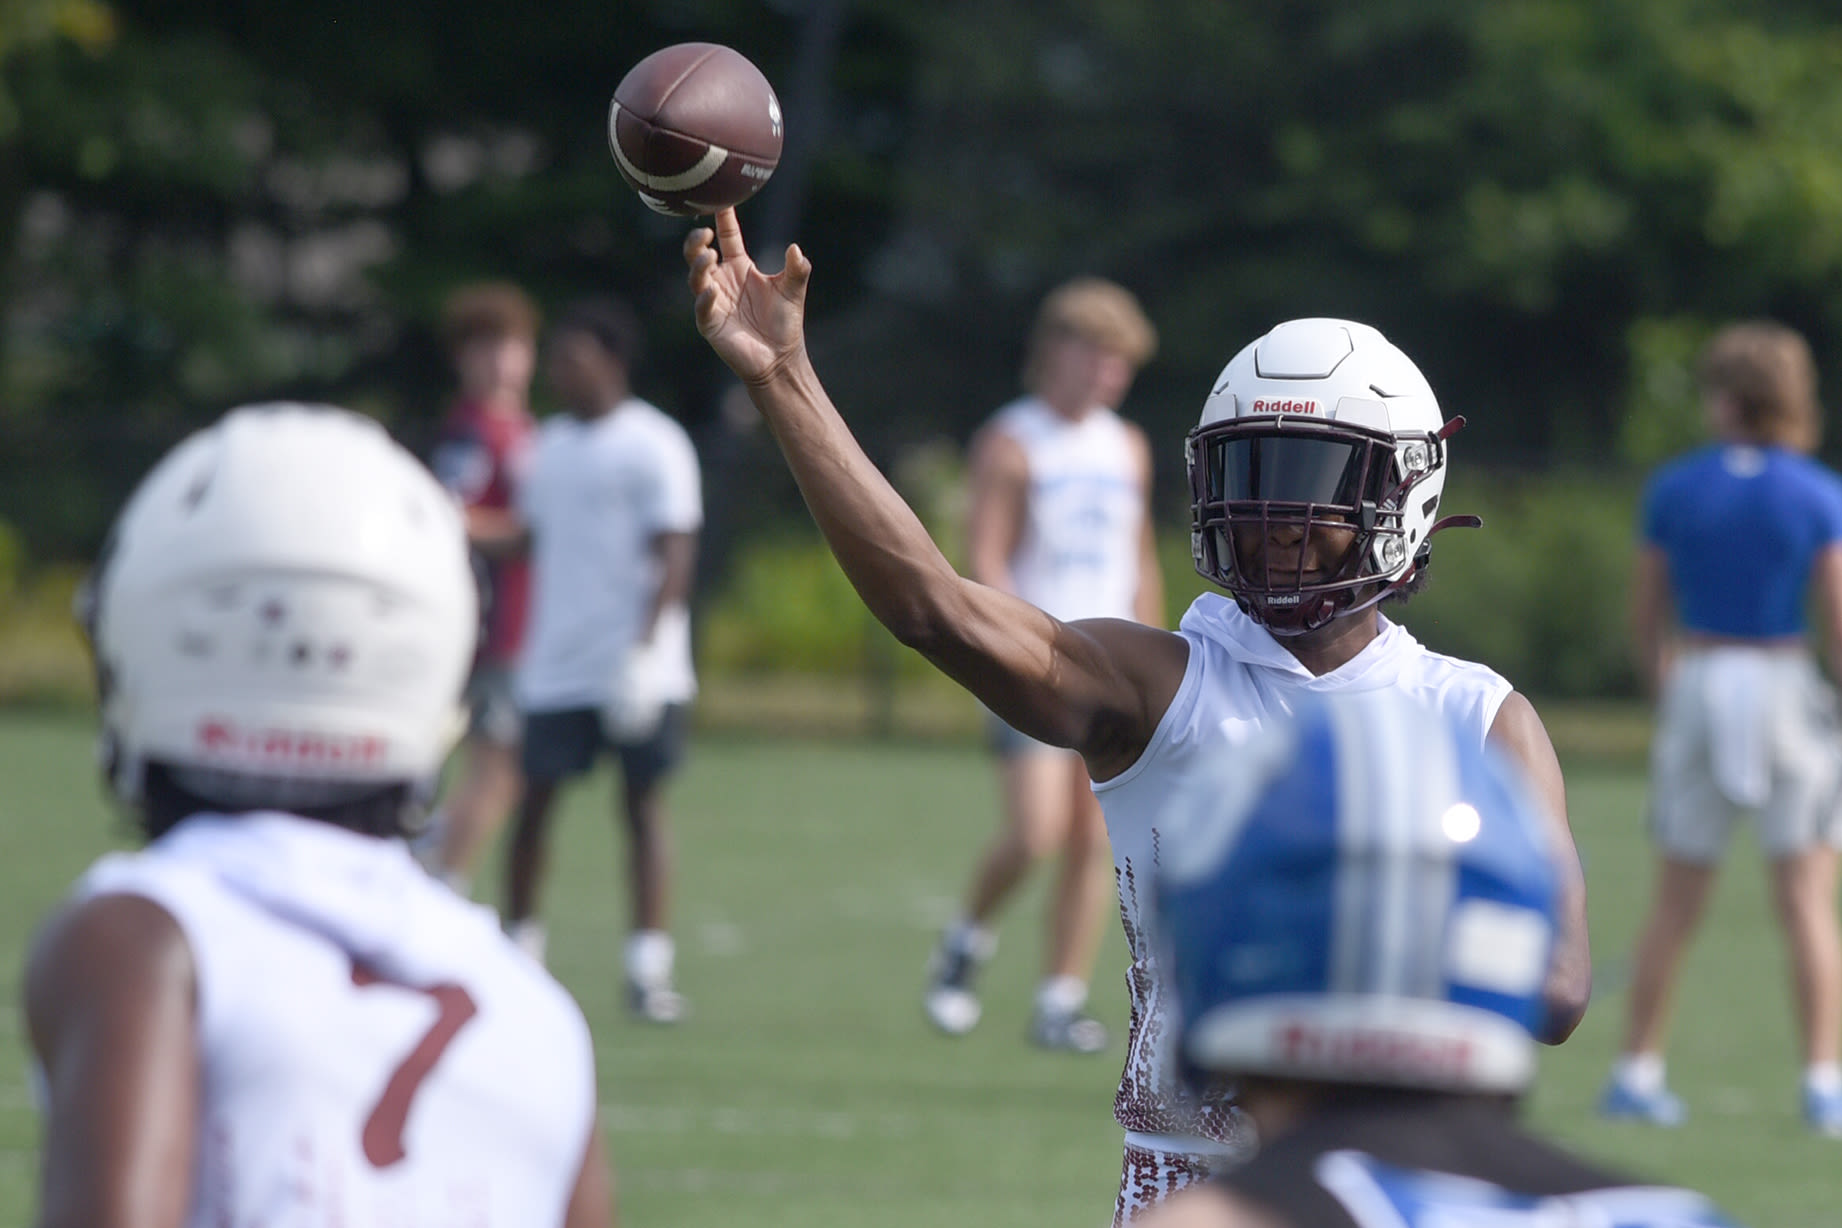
(559, 745)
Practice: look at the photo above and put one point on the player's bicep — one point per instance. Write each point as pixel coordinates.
(1518, 731)
(996, 506)
(111, 1008)
(1098, 686)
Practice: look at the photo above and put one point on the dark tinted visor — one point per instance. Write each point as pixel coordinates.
(1289, 469)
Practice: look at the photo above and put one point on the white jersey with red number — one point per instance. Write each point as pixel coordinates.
(1084, 515)
(1238, 678)
(374, 1052)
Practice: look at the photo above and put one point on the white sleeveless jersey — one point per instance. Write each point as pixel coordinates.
(374, 1051)
(1238, 678)
(1084, 518)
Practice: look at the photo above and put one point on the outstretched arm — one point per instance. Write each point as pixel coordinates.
(1099, 686)
(1519, 732)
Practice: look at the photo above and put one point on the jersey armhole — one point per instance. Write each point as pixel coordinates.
(1182, 704)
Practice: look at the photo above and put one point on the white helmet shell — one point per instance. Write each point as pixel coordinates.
(1351, 434)
(1337, 369)
(286, 596)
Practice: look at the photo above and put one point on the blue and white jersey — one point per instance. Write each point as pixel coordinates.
(1380, 1195)
(1453, 1162)
(1084, 516)
(1741, 528)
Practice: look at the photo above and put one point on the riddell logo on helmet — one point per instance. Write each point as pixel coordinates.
(295, 747)
(1286, 405)
(1377, 1052)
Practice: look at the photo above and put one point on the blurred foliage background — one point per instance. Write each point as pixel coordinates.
(1549, 203)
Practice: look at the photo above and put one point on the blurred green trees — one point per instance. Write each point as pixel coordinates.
(1548, 202)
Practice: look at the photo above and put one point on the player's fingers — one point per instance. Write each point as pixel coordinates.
(797, 273)
(729, 236)
(698, 240)
(703, 263)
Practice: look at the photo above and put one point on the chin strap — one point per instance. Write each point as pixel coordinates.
(1328, 610)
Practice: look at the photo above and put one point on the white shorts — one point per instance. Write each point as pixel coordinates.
(1158, 1165)
(1745, 731)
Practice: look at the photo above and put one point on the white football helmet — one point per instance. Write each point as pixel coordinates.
(286, 602)
(1319, 422)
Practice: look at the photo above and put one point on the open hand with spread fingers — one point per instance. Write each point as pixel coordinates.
(756, 323)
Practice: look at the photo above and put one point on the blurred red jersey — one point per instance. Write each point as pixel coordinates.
(480, 456)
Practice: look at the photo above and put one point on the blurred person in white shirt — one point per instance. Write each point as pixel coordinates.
(613, 504)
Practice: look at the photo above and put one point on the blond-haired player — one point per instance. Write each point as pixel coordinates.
(1060, 516)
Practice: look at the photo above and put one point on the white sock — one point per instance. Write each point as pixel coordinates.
(458, 881)
(1824, 1078)
(1640, 1072)
(971, 938)
(649, 958)
(1061, 995)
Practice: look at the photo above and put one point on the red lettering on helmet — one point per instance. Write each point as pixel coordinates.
(1357, 1052)
(1287, 405)
(284, 748)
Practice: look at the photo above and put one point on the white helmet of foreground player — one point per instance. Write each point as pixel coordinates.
(1318, 423)
(284, 610)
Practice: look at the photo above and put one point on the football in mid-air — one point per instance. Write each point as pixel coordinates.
(695, 128)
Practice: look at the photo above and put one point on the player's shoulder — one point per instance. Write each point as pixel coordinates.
(646, 425)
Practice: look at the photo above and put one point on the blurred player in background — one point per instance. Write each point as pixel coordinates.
(1357, 918)
(1736, 538)
(1060, 515)
(613, 503)
(272, 1015)
(491, 333)
(1315, 478)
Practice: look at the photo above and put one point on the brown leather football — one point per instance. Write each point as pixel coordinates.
(695, 128)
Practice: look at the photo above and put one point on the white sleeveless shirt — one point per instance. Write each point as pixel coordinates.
(1084, 517)
(1238, 678)
(373, 1050)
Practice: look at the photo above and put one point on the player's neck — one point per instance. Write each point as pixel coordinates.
(1335, 644)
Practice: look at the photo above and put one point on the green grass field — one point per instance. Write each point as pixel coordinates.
(806, 1090)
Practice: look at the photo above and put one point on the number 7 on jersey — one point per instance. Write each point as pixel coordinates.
(454, 1006)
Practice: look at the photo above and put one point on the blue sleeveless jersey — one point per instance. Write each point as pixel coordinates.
(1741, 528)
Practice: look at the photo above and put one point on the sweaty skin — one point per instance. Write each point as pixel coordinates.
(1098, 686)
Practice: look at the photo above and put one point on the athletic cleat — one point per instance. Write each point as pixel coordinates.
(949, 1001)
(1658, 1108)
(656, 1004)
(1071, 1033)
(1823, 1112)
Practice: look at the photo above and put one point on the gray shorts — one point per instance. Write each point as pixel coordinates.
(1745, 733)
(492, 707)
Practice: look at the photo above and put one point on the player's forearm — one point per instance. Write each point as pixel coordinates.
(1570, 974)
(882, 546)
(677, 558)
